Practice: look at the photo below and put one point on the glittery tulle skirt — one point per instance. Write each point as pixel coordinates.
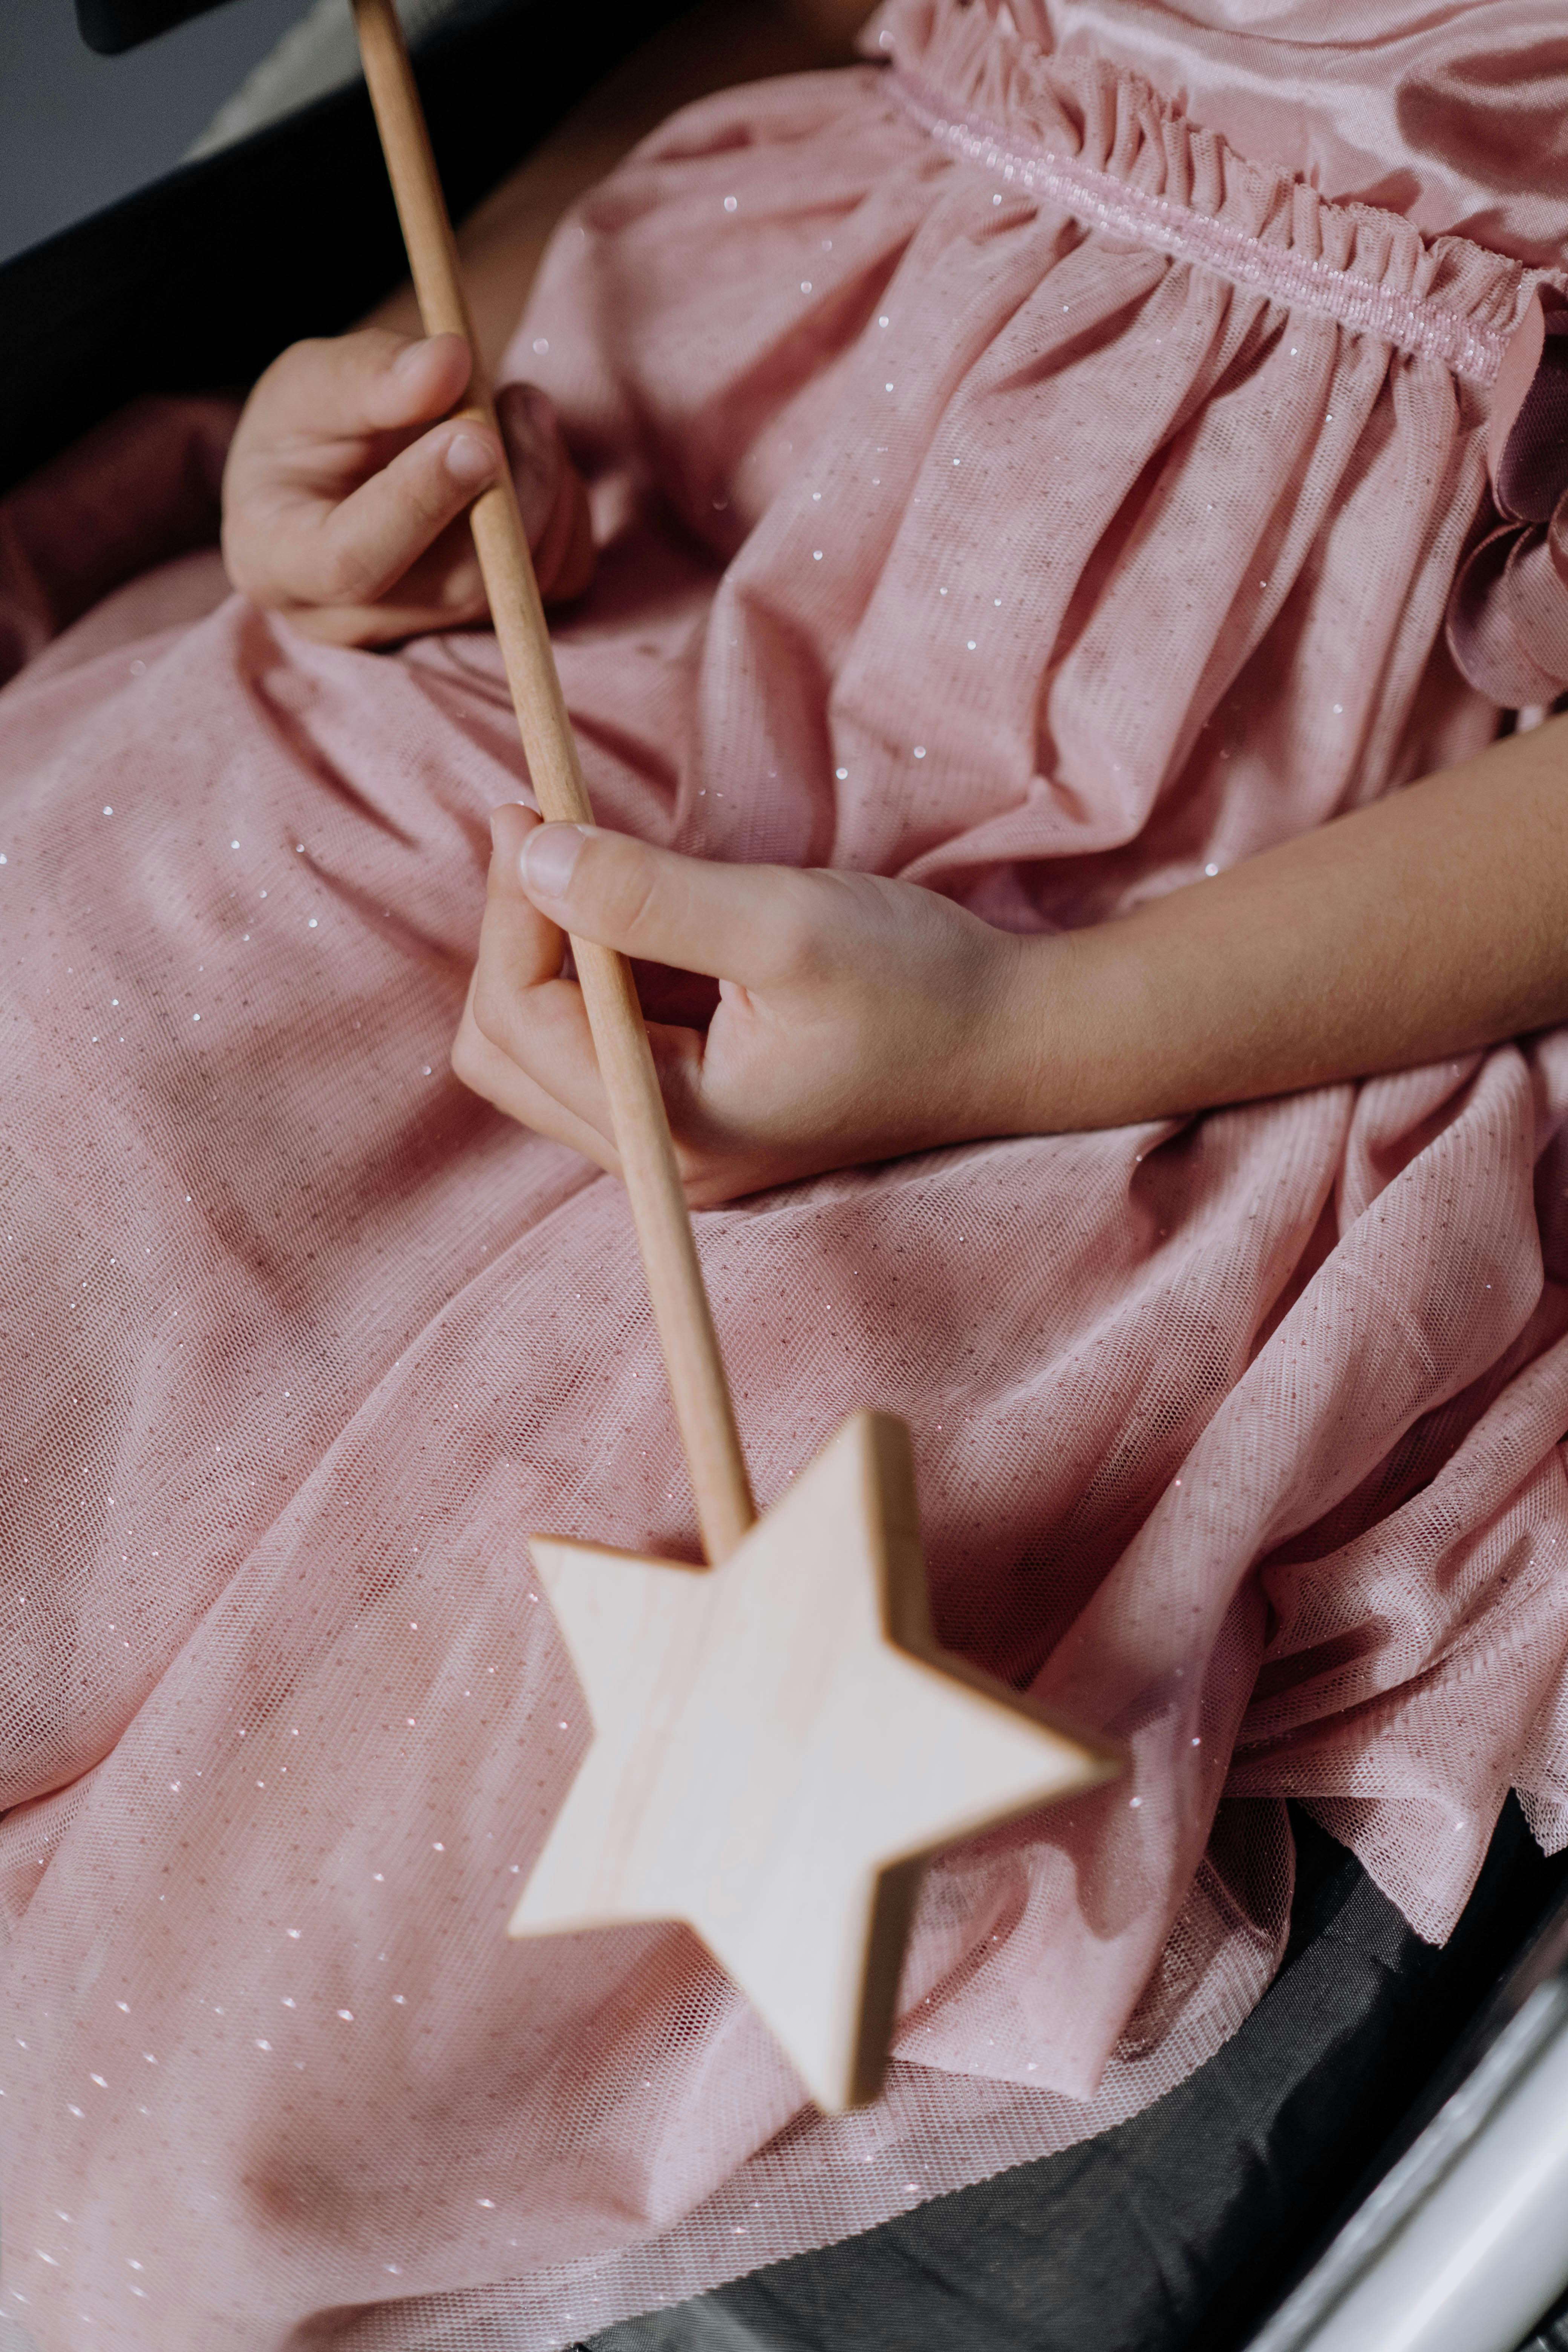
(950, 528)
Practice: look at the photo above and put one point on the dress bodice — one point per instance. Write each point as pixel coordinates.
(1454, 113)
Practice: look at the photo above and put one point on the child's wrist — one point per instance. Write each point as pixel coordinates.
(1076, 1040)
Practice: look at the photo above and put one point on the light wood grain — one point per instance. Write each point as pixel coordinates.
(778, 1744)
(702, 1402)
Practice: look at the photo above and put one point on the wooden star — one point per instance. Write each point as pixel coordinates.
(778, 1747)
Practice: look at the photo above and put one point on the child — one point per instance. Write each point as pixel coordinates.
(1036, 480)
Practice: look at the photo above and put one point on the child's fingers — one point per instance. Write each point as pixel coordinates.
(520, 1003)
(346, 385)
(753, 924)
(549, 493)
(359, 548)
(492, 1072)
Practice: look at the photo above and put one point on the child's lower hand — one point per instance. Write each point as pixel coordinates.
(857, 1019)
(344, 500)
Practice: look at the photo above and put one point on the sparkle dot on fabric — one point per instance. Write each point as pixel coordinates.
(347, 2015)
(542, 344)
(292, 1931)
(1211, 870)
(1339, 709)
(1135, 1802)
(109, 812)
(971, 644)
(234, 845)
(805, 285)
(887, 387)
(195, 1016)
(817, 555)
(326, 1111)
(312, 924)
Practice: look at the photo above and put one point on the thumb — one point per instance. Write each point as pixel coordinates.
(753, 924)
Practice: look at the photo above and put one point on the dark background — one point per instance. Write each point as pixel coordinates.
(79, 131)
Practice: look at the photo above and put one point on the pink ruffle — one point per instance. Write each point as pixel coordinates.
(1036, 116)
(1508, 620)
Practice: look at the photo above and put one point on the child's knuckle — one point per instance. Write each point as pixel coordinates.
(800, 943)
(633, 891)
(464, 1058)
(493, 1008)
(346, 575)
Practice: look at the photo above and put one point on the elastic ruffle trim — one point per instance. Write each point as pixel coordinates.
(1099, 142)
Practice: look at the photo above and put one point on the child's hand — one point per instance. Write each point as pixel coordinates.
(856, 1018)
(344, 512)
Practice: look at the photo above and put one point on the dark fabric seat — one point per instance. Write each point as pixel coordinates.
(195, 283)
(1185, 2226)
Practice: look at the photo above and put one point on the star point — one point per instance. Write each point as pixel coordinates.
(778, 1745)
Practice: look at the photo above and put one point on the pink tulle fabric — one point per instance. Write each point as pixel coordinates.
(943, 532)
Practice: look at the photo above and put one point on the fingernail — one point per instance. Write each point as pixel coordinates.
(469, 459)
(408, 360)
(550, 856)
(496, 812)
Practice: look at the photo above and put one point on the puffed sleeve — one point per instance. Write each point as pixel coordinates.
(1508, 620)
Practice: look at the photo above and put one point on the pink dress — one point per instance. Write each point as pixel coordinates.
(1036, 462)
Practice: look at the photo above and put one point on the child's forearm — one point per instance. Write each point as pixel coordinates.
(1431, 923)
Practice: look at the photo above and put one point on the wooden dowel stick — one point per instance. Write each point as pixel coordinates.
(703, 1407)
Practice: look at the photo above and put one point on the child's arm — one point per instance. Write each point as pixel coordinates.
(860, 1019)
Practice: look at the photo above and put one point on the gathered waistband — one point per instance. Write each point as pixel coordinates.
(1160, 181)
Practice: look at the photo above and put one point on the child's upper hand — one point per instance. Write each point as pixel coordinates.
(857, 1018)
(345, 498)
